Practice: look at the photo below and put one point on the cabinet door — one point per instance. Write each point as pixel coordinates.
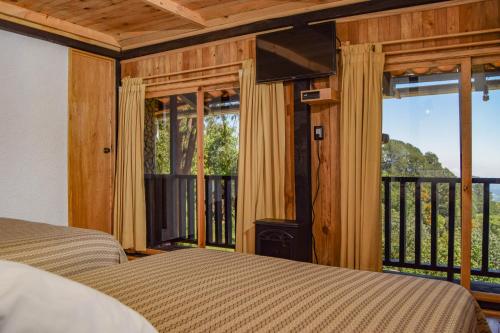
(91, 140)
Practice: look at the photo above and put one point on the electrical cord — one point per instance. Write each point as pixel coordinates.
(315, 197)
(338, 40)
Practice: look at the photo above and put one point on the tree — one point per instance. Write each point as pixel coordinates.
(221, 145)
(403, 159)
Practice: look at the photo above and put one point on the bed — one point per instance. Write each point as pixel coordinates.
(62, 250)
(198, 290)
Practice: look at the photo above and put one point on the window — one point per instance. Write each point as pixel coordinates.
(421, 170)
(171, 167)
(486, 174)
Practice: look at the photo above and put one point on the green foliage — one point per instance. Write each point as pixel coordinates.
(220, 142)
(221, 145)
(403, 159)
(162, 148)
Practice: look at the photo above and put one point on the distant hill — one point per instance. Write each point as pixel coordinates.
(495, 193)
(404, 159)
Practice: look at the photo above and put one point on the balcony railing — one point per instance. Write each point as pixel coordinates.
(171, 209)
(441, 198)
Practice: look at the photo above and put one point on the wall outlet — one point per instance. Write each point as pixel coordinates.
(319, 133)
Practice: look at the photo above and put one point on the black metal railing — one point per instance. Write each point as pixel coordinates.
(441, 198)
(171, 209)
(220, 215)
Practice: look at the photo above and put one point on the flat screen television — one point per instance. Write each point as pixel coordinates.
(296, 53)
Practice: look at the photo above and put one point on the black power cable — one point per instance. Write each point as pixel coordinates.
(315, 197)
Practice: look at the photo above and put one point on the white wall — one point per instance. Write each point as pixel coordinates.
(33, 129)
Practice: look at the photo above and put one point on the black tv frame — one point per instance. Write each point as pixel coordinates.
(303, 76)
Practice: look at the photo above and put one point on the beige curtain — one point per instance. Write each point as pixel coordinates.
(129, 222)
(360, 148)
(261, 164)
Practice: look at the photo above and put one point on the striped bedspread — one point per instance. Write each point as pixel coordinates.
(61, 250)
(197, 290)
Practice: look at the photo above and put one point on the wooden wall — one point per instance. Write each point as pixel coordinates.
(479, 15)
(443, 19)
(216, 53)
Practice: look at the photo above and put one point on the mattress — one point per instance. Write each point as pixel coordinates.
(198, 290)
(62, 250)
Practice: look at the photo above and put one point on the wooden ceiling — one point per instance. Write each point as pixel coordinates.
(127, 24)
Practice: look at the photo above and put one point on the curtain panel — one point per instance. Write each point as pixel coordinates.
(261, 163)
(360, 149)
(129, 213)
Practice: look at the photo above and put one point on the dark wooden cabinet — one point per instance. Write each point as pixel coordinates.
(281, 239)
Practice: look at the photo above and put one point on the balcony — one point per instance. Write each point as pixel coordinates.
(171, 210)
(421, 229)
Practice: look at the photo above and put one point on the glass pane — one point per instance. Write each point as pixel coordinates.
(170, 166)
(185, 145)
(221, 132)
(220, 144)
(421, 170)
(486, 177)
(157, 136)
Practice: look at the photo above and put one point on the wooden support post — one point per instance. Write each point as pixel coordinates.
(200, 177)
(466, 166)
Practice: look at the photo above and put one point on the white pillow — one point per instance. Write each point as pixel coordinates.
(32, 300)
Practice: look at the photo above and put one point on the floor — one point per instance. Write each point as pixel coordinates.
(494, 324)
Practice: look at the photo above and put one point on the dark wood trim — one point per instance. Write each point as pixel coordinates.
(118, 80)
(302, 160)
(57, 39)
(365, 7)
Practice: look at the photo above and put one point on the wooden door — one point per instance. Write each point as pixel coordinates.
(91, 140)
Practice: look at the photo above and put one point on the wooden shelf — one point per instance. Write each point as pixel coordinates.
(319, 96)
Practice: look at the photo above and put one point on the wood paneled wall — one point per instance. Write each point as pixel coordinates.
(326, 153)
(217, 53)
(475, 16)
(442, 20)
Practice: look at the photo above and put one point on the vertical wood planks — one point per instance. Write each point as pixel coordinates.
(200, 176)
(466, 166)
(91, 128)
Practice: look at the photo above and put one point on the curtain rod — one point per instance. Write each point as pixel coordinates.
(455, 35)
(443, 47)
(188, 71)
(194, 78)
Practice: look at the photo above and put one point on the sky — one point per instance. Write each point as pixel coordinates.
(431, 123)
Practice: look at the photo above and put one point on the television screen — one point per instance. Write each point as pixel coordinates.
(296, 53)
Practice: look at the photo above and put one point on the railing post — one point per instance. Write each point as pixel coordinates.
(418, 222)
(387, 218)
(208, 212)
(486, 229)
(218, 210)
(451, 231)
(402, 221)
(228, 207)
(434, 222)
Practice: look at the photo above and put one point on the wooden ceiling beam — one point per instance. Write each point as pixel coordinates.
(210, 34)
(177, 9)
(32, 19)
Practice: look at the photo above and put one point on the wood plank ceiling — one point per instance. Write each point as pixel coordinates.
(127, 24)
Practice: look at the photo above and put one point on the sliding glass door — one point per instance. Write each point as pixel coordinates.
(441, 171)
(170, 154)
(486, 176)
(191, 158)
(421, 171)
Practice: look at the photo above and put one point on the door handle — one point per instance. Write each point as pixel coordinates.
(107, 150)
